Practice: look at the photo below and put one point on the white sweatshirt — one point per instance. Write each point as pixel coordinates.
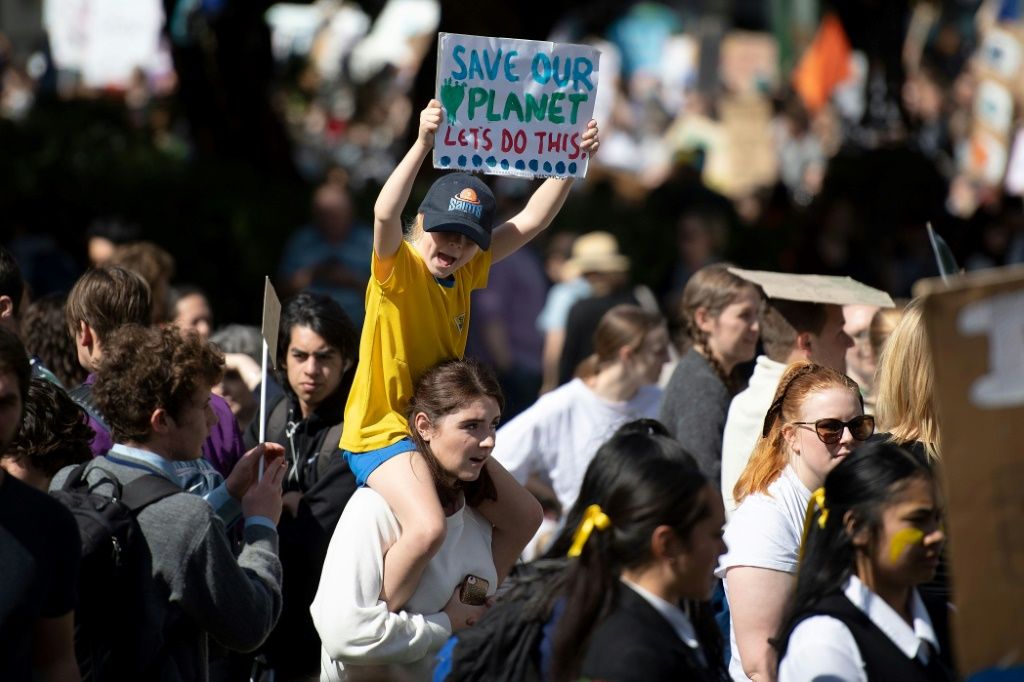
(355, 626)
(560, 433)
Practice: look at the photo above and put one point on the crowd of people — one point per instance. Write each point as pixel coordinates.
(848, 187)
(381, 526)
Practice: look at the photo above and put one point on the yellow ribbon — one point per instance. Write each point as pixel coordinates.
(819, 499)
(593, 518)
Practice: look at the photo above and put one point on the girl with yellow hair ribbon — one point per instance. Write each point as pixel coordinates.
(874, 534)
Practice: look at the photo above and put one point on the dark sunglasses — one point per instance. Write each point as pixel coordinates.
(830, 431)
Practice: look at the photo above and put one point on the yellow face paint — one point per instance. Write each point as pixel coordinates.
(903, 539)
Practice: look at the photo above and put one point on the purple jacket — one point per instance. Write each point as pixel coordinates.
(222, 448)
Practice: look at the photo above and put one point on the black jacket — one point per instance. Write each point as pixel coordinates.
(317, 469)
(636, 644)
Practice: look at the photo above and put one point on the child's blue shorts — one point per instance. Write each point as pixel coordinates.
(363, 464)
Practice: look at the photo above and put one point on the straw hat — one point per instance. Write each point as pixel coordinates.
(596, 252)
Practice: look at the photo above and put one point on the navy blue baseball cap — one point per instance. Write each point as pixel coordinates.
(460, 202)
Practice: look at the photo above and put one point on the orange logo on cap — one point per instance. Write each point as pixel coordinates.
(468, 195)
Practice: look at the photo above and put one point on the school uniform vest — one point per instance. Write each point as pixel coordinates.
(883, 660)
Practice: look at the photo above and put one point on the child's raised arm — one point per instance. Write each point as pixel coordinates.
(387, 212)
(540, 210)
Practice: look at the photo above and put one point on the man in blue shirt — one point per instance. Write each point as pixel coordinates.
(328, 256)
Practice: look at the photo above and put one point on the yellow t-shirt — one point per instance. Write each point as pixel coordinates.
(412, 323)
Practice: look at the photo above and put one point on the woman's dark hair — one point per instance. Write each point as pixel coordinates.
(54, 431)
(862, 485)
(176, 293)
(323, 315)
(444, 389)
(46, 336)
(657, 483)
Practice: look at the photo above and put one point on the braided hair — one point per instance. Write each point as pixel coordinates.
(712, 288)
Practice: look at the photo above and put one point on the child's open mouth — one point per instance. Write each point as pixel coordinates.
(445, 260)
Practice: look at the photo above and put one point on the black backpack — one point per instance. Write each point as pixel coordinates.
(115, 571)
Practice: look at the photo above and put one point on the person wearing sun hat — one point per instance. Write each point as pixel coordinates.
(570, 288)
(417, 315)
(596, 256)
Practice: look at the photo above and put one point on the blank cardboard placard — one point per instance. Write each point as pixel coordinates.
(815, 288)
(271, 319)
(975, 329)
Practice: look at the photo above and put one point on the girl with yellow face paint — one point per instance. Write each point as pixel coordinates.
(873, 534)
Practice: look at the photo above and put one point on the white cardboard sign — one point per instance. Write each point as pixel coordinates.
(514, 107)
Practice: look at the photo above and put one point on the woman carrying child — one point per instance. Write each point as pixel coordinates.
(417, 315)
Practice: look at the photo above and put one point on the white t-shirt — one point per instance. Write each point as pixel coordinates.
(822, 647)
(745, 422)
(560, 433)
(765, 532)
(354, 625)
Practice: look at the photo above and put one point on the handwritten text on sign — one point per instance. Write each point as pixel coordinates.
(514, 107)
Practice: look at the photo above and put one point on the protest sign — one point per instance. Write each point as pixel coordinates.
(827, 289)
(749, 63)
(750, 160)
(975, 327)
(514, 107)
(270, 331)
(106, 40)
(271, 319)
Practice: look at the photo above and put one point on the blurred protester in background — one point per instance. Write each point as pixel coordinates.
(596, 257)
(54, 433)
(242, 346)
(189, 309)
(504, 331)
(700, 236)
(328, 256)
(568, 287)
(882, 324)
(46, 336)
(720, 317)
(12, 292)
(860, 361)
(154, 265)
(316, 352)
(105, 236)
(558, 435)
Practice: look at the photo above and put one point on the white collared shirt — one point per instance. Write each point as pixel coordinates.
(675, 616)
(822, 647)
